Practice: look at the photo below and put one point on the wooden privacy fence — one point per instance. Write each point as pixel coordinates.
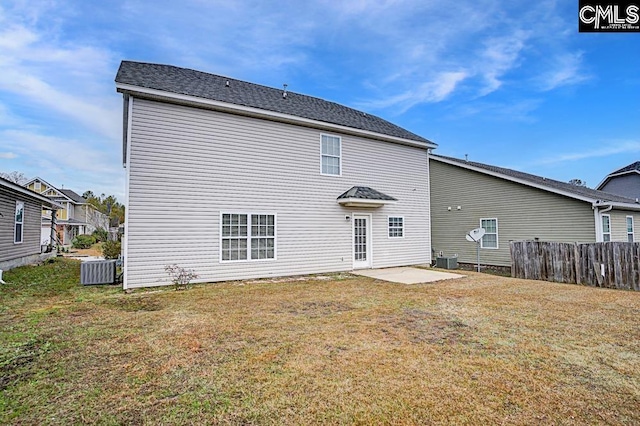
(610, 265)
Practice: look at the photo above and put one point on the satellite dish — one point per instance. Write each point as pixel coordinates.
(475, 235)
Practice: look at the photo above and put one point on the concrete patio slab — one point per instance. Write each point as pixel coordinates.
(406, 275)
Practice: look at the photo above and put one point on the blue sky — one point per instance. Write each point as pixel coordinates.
(508, 83)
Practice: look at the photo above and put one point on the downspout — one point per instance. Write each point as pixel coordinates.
(597, 214)
(430, 251)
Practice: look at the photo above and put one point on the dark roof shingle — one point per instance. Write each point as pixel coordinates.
(365, 193)
(539, 180)
(199, 84)
(73, 196)
(634, 167)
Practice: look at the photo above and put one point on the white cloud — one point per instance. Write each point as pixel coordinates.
(566, 69)
(499, 56)
(73, 162)
(519, 111)
(612, 148)
(60, 79)
(435, 90)
(8, 155)
(15, 38)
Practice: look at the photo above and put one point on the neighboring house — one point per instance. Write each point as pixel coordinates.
(20, 223)
(77, 217)
(236, 180)
(512, 205)
(625, 182)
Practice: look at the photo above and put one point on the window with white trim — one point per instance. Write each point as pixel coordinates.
(247, 236)
(19, 223)
(490, 238)
(396, 227)
(37, 186)
(330, 155)
(630, 229)
(606, 228)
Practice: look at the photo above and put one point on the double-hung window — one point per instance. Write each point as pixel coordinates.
(606, 228)
(490, 238)
(630, 229)
(19, 223)
(396, 227)
(247, 236)
(330, 155)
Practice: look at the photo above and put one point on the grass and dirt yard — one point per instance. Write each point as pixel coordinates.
(336, 349)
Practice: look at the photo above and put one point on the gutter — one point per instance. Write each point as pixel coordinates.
(612, 204)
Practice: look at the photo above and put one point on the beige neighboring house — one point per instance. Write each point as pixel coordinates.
(513, 206)
(77, 217)
(236, 180)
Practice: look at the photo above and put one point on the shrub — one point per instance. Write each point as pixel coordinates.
(180, 277)
(101, 235)
(111, 249)
(83, 241)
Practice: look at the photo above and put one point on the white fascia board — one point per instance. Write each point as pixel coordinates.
(363, 202)
(514, 179)
(269, 115)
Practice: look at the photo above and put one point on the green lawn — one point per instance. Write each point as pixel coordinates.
(337, 350)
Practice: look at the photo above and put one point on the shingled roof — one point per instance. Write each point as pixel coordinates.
(631, 168)
(183, 81)
(539, 181)
(73, 196)
(634, 167)
(365, 193)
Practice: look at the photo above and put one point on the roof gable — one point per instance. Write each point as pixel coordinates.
(631, 168)
(53, 192)
(182, 81)
(19, 189)
(551, 185)
(38, 179)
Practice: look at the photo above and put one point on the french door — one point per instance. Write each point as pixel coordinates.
(361, 241)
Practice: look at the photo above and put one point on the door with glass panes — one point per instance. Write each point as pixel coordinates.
(361, 241)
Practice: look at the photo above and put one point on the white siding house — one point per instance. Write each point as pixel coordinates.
(236, 180)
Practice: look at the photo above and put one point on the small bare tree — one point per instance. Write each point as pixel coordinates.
(180, 277)
(15, 177)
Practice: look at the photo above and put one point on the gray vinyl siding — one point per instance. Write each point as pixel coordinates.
(626, 185)
(619, 224)
(31, 229)
(523, 213)
(188, 165)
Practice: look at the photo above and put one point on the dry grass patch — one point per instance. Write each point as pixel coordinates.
(480, 350)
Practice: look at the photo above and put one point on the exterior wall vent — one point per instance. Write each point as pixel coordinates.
(98, 272)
